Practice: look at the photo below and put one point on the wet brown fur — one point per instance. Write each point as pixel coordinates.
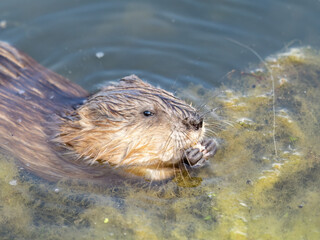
(39, 127)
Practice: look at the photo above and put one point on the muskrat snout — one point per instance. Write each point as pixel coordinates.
(194, 122)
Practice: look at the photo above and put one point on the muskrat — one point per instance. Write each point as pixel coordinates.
(57, 130)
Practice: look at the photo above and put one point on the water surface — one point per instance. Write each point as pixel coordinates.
(247, 191)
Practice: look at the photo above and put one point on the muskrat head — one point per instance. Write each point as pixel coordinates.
(133, 125)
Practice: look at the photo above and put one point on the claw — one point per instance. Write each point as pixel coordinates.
(200, 163)
(210, 147)
(195, 157)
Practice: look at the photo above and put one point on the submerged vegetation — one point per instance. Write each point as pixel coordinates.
(250, 189)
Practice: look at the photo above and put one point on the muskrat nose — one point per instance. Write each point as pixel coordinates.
(195, 122)
(198, 124)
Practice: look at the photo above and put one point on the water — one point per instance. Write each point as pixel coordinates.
(182, 46)
(166, 43)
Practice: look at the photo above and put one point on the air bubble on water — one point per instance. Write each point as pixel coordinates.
(13, 182)
(99, 55)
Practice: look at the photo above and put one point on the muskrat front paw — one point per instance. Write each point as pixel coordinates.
(210, 147)
(195, 157)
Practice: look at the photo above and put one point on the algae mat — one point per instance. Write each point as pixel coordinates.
(262, 183)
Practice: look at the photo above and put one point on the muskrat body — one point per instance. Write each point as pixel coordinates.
(57, 130)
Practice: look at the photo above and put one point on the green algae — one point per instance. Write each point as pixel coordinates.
(252, 171)
(254, 188)
(14, 214)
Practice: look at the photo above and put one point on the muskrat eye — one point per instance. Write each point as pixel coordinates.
(148, 113)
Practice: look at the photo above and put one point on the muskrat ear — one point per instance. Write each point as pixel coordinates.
(134, 80)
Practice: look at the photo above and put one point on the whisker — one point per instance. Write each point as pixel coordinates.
(186, 136)
(150, 184)
(188, 160)
(212, 132)
(174, 170)
(201, 107)
(186, 171)
(273, 90)
(185, 166)
(181, 173)
(176, 150)
(167, 143)
(209, 111)
(221, 125)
